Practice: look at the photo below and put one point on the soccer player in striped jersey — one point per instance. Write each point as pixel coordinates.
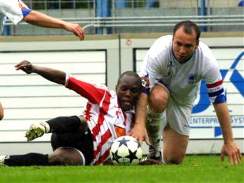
(172, 69)
(85, 139)
(16, 11)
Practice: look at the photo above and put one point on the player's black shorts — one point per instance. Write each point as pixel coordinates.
(72, 132)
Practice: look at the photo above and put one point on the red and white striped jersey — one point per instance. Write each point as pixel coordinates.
(104, 116)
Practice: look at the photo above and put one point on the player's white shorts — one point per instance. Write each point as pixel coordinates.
(177, 117)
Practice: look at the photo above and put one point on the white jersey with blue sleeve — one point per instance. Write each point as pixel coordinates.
(183, 79)
(15, 10)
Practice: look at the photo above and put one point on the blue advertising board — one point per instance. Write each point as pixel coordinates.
(204, 123)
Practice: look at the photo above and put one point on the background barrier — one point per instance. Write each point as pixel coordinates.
(29, 98)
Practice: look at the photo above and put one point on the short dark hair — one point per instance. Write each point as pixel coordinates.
(189, 27)
(130, 73)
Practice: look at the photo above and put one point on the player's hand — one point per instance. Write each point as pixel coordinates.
(36, 130)
(233, 153)
(25, 66)
(76, 29)
(139, 132)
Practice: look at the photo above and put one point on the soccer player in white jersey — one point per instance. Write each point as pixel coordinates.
(16, 11)
(173, 68)
(86, 139)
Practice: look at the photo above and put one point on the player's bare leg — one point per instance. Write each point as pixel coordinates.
(66, 156)
(174, 146)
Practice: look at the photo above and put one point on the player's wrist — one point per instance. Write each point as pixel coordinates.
(228, 141)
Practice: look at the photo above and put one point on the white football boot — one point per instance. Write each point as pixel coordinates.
(2, 158)
(37, 130)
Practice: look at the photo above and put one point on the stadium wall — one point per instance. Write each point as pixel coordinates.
(100, 60)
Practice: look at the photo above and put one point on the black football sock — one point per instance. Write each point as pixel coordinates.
(29, 159)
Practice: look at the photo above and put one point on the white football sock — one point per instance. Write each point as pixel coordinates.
(154, 121)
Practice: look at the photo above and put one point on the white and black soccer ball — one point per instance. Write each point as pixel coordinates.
(126, 150)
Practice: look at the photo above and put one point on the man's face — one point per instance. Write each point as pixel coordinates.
(184, 45)
(128, 91)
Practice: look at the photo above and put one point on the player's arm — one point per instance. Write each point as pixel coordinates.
(91, 92)
(229, 148)
(85, 89)
(53, 75)
(11, 10)
(217, 96)
(1, 111)
(139, 129)
(43, 20)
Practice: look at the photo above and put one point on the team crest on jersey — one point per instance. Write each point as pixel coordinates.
(145, 81)
(192, 79)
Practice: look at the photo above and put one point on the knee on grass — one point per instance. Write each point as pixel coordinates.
(173, 160)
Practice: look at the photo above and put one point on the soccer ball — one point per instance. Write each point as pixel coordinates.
(126, 150)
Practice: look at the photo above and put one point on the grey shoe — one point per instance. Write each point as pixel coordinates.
(154, 153)
(150, 162)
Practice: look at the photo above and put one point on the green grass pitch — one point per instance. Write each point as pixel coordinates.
(195, 169)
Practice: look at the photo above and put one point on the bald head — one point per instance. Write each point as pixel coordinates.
(189, 27)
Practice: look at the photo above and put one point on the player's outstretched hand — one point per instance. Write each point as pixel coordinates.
(233, 153)
(139, 132)
(76, 29)
(25, 66)
(36, 130)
